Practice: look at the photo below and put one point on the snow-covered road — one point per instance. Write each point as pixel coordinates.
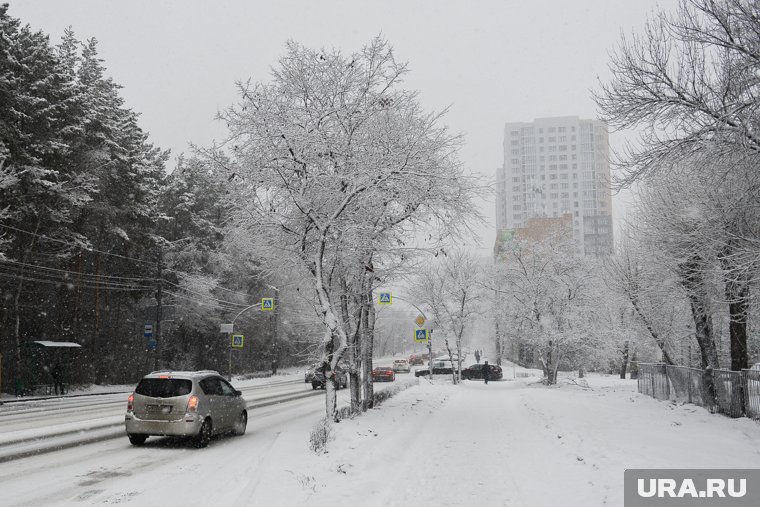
(509, 443)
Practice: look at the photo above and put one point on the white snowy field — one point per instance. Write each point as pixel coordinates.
(511, 443)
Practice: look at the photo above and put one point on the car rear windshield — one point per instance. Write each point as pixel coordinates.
(164, 387)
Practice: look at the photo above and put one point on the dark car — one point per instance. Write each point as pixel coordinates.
(440, 367)
(383, 374)
(309, 374)
(318, 379)
(475, 372)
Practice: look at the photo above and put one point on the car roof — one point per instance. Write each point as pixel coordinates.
(182, 374)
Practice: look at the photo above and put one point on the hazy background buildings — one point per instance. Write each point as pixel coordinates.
(556, 173)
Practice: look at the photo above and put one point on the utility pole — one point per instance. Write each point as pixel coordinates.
(158, 308)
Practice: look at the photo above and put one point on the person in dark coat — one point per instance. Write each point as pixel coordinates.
(486, 372)
(58, 377)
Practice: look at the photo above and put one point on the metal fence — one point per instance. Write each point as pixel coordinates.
(732, 393)
(752, 394)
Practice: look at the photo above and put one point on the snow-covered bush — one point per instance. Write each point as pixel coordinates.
(321, 433)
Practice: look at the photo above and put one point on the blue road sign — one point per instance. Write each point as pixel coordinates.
(267, 304)
(148, 330)
(152, 344)
(421, 335)
(385, 298)
(237, 341)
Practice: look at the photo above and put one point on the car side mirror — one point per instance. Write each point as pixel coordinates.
(238, 393)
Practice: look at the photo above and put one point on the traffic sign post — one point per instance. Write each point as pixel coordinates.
(385, 298)
(148, 330)
(237, 341)
(267, 304)
(421, 335)
(420, 320)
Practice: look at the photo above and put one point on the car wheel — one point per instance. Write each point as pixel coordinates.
(137, 439)
(204, 435)
(241, 424)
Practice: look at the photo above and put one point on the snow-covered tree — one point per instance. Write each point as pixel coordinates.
(545, 291)
(451, 288)
(329, 161)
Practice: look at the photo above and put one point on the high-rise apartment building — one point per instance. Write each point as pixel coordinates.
(554, 167)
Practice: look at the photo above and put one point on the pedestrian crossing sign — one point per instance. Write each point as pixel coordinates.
(237, 341)
(421, 335)
(385, 298)
(267, 304)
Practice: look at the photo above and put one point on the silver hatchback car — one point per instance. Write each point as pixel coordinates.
(196, 404)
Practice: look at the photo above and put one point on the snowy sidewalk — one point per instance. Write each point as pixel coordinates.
(510, 444)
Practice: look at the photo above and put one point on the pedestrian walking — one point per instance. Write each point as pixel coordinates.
(486, 372)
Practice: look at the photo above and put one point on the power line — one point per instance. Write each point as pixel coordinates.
(55, 240)
(86, 286)
(205, 296)
(155, 264)
(202, 302)
(73, 273)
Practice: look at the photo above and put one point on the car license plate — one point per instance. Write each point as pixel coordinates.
(164, 409)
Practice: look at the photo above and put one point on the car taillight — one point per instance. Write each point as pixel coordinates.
(130, 402)
(192, 404)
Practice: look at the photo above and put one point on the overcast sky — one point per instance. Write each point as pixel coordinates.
(492, 61)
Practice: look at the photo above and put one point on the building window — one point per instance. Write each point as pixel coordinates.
(514, 133)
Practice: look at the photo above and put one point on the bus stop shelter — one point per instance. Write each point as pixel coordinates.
(48, 366)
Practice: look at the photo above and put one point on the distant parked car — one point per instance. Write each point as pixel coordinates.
(401, 365)
(194, 404)
(318, 379)
(440, 367)
(415, 359)
(475, 372)
(755, 366)
(383, 374)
